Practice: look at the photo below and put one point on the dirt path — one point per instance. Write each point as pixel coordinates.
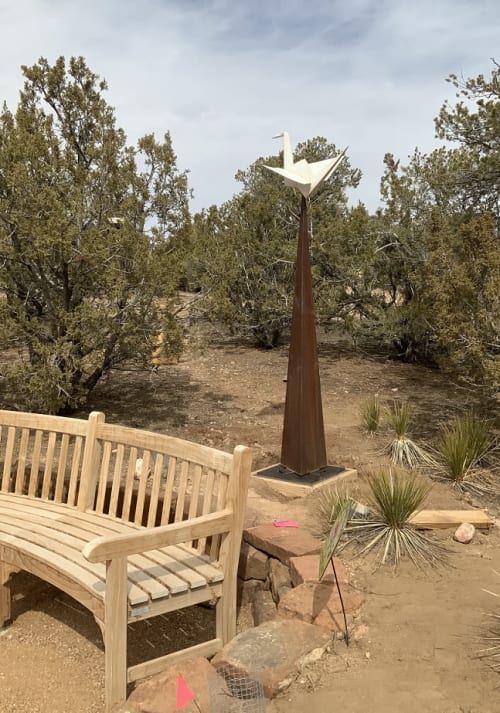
(419, 653)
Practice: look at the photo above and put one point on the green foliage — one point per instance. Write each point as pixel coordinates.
(463, 445)
(244, 251)
(395, 496)
(459, 295)
(399, 417)
(402, 450)
(86, 277)
(343, 512)
(370, 414)
(331, 502)
(474, 123)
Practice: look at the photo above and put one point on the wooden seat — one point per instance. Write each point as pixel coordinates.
(53, 535)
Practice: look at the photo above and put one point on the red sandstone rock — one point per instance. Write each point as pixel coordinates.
(279, 576)
(158, 693)
(253, 563)
(276, 651)
(319, 604)
(282, 542)
(306, 569)
(263, 607)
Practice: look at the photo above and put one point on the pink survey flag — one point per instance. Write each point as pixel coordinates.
(184, 694)
(285, 523)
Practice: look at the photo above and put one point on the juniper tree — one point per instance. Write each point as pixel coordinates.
(86, 228)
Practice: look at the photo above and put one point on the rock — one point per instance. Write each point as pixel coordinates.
(361, 511)
(158, 693)
(319, 604)
(306, 569)
(252, 517)
(263, 607)
(276, 650)
(248, 588)
(253, 563)
(279, 576)
(464, 533)
(139, 465)
(282, 542)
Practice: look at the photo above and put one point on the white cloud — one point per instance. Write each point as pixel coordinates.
(224, 75)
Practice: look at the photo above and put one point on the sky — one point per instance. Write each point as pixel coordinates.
(223, 76)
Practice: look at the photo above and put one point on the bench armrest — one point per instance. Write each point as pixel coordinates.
(112, 546)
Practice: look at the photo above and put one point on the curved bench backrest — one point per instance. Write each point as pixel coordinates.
(152, 479)
(41, 455)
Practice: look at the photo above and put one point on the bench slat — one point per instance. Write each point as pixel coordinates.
(168, 491)
(199, 563)
(75, 470)
(9, 452)
(43, 422)
(61, 468)
(141, 493)
(221, 481)
(160, 443)
(195, 493)
(103, 477)
(207, 505)
(129, 484)
(148, 576)
(49, 459)
(68, 562)
(181, 492)
(115, 490)
(155, 491)
(35, 462)
(177, 568)
(21, 461)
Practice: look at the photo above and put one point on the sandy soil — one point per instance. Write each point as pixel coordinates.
(424, 629)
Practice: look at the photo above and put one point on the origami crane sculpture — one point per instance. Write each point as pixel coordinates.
(303, 448)
(304, 176)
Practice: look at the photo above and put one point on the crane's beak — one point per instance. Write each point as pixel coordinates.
(278, 136)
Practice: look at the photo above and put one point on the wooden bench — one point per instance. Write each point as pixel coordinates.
(130, 523)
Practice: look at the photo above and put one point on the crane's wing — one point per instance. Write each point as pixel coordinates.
(290, 175)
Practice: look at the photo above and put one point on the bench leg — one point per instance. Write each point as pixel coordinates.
(115, 633)
(225, 613)
(4, 594)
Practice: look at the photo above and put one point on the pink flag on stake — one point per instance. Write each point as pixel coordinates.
(285, 523)
(184, 694)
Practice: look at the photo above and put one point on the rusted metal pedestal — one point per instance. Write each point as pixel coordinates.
(303, 448)
(304, 465)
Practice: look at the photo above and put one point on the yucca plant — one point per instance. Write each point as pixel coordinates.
(330, 504)
(402, 450)
(395, 496)
(371, 413)
(463, 446)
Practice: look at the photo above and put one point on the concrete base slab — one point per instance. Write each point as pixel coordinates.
(291, 484)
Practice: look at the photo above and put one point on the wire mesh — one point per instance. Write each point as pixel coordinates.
(236, 691)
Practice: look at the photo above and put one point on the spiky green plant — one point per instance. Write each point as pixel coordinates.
(399, 417)
(395, 496)
(402, 450)
(331, 502)
(463, 446)
(371, 413)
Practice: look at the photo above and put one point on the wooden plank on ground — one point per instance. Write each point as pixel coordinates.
(442, 519)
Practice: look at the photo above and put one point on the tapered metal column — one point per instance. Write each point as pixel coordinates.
(303, 447)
